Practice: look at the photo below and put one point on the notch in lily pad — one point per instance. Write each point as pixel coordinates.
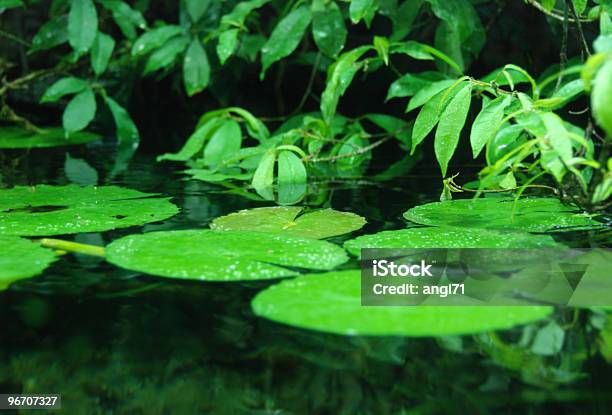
(298, 221)
(20, 259)
(529, 214)
(209, 255)
(331, 302)
(56, 210)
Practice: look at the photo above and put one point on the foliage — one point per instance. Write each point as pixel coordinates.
(21, 259)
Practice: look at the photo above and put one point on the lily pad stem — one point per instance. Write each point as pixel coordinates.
(73, 247)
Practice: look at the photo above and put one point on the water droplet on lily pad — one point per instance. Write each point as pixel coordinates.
(16, 137)
(316, 224)
(21, 258)
(55, 210)
(449, 237)
(331, 302)
(209, 255)
(529, 214)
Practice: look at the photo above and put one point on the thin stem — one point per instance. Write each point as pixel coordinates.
(553, 14)
(74, 247)
(311, 80)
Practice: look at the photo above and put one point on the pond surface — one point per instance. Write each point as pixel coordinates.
(113, 341)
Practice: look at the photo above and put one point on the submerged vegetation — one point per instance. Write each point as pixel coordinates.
(237, 258)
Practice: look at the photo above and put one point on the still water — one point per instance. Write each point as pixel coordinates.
(111, 341)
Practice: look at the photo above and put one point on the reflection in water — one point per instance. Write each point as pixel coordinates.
(113, 341)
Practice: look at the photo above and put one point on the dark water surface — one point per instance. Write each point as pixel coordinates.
(113, 341)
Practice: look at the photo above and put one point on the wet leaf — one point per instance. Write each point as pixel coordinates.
(63, 87)
(487, 123)
(601, 98)
(530, 214)
(56, 210)
(154, 39)
(228, 41)
(15, 137)
(196, 69)
(291, 169)
(165, 55)
(448, 237)
(331, 302)
(80, 111)
(101, 53)
(317, 224)
(82, 25)
(52, 33)
(208, 255)
(21, 259)
(328, 29)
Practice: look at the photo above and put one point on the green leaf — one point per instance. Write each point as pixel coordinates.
(557, 147)
(224, 143)
(196, 69)
(487, 123)
(154, 39)
(228, 255)
(240, 12)
(549, 4)
(10, 4)
(56, 210)
(328, 29)
(411, 83)
(363, 9)
(63, 87)
(580, 6)
(285, 37)
(549, 340)
(297, 221)
(529, 214)
(101, 53)
(449, 128)
(21, 259)
(448, 237)
(125, 17)
(196, 8)
(331, 302)
(195, 143)
(16, 137)
(228, 41)
(82, 25)
(80, 111)
(381, 44)
(53, 33)
(601, 97)
(425, 94)
(127, 132)
(339, 77)
(291, 169)
(264, 175)
(166, 55)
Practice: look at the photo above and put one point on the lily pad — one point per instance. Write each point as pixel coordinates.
(447, 237)
(15, 137)
(21, 259)
(331, 302)
(317, 224)
(530, 214)
(222, 255)
(56, 210)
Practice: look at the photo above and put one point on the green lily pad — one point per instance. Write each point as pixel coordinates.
(530, 214)
(222, 255)
(317, 224)
(56, 210)
(16, 137)
(331, 302)
(21, 258)
(447, 237)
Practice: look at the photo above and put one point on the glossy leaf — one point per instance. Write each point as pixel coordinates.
(154, 39)
(53, 33)
(224, 143)
(166, 55)
(291, 169)
(298, 221)
(487, 123)
(208, 255)
(195, 143)
(101, 53)
(127, 132)
(228, 42)
(328, 29)
(196, 8)
(331, 302)
(16, 137)
(448, 237)
(63, 87)
(601, 97)
(264, 175)
(528, 214)
(425, 94)
(285, 37)
(363, 10)
(21, 259)
(127, 18)
(411, 83)
(57, 210)
(430, 115)
(196, 69)
(449, 128)
(82, 25)
(80, 111)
